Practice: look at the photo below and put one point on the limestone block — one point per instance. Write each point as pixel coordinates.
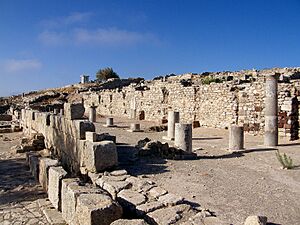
(56, 174)
(33, 162)
(97, 209)
(100, 156)
(129, 222)
(73, 111)
(83, 126)
(118, 173)
(156, 192)
(70, 191)
(168, 215)
(170, 199)
(44, 166)
(256, 220)
(113, 187)
(130, 199)
(148, 207)
(94, 137)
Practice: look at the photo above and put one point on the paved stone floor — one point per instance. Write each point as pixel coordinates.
(19, 192)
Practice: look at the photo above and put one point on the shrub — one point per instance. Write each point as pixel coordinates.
(208, 80)
(285, 161)
(105, 74)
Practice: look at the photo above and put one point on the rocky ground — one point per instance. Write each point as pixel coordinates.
(231, 185)
(19, 193)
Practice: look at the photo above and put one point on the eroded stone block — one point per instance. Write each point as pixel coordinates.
(97, 209)
(82, 126)
(100, 156)
(73, 111)
(56, 174)
(44, 166)
(129, 222)
(70, 191)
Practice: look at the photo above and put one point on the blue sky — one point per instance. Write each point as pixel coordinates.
(50, 43)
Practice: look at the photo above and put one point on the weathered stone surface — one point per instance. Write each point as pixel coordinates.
(100, 156)
(53, 216)
(73, 111)
(70, 192)
(256, 220)
(129, 222)
(94, 137)
(170, 199)
(130, 199)
(111, 186)
(44, 166)
(97, 209)
(118, 173)
(156, 192)
(82, 127)
(148, 207)
(56, 174)
(167, 215)
(139, 184)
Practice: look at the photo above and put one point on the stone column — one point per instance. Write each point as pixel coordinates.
(61, 112)
(236, 137)
(173, 117)
(55, 111)
(109, 122)
(183, 136)
(92, 114)
(271, 110)
(135, 127)
(133, 114)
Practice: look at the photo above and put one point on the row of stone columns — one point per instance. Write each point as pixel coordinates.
(236, 133)
(182, 133)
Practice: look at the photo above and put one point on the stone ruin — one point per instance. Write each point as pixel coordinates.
(80, 173)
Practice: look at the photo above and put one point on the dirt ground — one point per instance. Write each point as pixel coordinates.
(232, 185)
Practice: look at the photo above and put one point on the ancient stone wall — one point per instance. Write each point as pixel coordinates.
(68, 141)
(213, 105)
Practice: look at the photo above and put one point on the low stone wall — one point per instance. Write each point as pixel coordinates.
(66, 138)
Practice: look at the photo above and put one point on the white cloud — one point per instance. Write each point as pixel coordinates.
(73, 18)
(111, 36)
(20, 65)
(100, 37)
(52, 38)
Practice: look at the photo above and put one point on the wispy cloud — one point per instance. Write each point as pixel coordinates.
(73, 18)
(70, 30)
(110, 36)
(98, 37)
(21, 65)
(52, 38)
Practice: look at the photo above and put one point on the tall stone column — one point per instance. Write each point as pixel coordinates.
(92, 114)
(173, 117)
(183, 137)
(271, 110)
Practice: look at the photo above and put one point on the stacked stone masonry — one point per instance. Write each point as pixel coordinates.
(66, 139)
(213, 105)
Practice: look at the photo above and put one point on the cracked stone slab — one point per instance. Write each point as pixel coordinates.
(168, 215)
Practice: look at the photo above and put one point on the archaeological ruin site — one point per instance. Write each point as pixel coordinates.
(193, 149)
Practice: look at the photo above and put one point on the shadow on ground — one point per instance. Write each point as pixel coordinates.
(16, 182)
(127, 156)
(237, 154)
(206, 138)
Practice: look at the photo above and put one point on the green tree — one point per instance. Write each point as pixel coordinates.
(105, 74)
